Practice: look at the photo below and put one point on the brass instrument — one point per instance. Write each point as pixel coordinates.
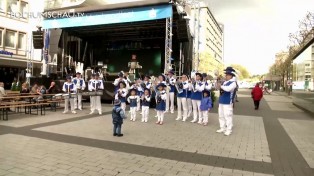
(78, 86)
(193, 85)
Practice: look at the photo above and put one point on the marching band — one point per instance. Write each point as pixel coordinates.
(192, 95)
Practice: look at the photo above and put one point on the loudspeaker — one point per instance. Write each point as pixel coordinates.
(38, 39)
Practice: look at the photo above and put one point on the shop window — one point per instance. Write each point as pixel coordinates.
(24, 9)
(22, 41)
(10, 39)
(2, 6)
(12, 6)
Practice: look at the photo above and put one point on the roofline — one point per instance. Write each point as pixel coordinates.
(303, 49)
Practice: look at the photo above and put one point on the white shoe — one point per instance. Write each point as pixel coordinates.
(141, 113)
(193, 121)
(64, 112)
(227, 133)
(133, 120)
(73, 112)
(183, 120)
(100, 113)
(92, 112)
(179, 118)
(221, 130)
(80, 109)
(142, 121)
(172, 112)
(199, 122)
(156, 116)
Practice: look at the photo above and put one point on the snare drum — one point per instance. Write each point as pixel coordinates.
(58, 96)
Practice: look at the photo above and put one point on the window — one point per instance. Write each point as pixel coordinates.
(2, 6)
(22, 41)
(12, 6)
(1, 37)
(10, 39)
(24, 9)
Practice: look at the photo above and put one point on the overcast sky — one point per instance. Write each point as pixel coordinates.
(255, 30)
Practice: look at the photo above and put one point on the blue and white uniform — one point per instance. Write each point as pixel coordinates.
(161, 105)
(196, 97)
(182, 102)
(133, 100)
(95, 101)
(170, 96)
(121, 95)
(225, 109)
(69, 88)
(145, 107)
(80, 85)
(206, 105)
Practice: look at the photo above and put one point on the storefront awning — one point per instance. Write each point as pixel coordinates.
(107, 17)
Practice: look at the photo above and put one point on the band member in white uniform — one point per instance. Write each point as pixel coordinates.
(95, 85)
(225, 109)
(170, 98)
(182, 99)
(69, 88)
(197, 95)
(80, 86)
(208, 84)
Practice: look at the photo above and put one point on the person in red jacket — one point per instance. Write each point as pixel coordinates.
(257, 95)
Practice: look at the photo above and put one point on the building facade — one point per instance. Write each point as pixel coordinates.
(18, 19)
(303, 70)
(210, 40)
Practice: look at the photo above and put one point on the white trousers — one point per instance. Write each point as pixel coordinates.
(170, 102)
(225, 113)
(160, 115)
(189, 104)
(95, 103)
(133, 113)
(145, 113)
(78, 102)
(138, 108)
(196, 109)
(204, 117)
(182, 104)
(66, 104)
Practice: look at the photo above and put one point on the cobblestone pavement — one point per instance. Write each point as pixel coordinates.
(276, 140)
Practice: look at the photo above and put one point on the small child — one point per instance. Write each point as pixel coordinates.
(145, 105)
(117, 118)
(161, 102)
(205, 107)
(121, 94)
(133, 99)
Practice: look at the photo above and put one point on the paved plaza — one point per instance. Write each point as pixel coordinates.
(276, 140)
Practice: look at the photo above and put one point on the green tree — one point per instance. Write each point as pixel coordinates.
(242, 72)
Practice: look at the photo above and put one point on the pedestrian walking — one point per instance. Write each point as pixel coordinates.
(225, 109)
(257, 95)
(117, 118)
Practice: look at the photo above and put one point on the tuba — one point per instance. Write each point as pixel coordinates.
(179, 86)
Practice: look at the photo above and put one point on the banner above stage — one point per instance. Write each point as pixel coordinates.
(70, 19)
